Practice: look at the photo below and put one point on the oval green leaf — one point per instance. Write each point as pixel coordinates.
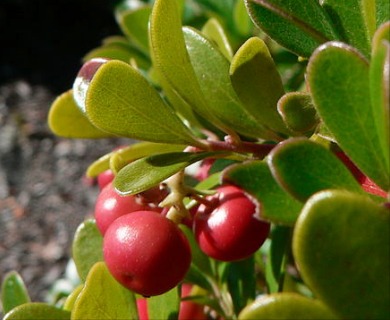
(214, 31)
(212, 71)
(298, 25)
(65, 119)
(342, 249)
(104, 298)
(145, 173)
(121, 101)
(257, 83)
(35, 311)
(255, 177)
(303, 167)
(288, 306)
(87, 247)
(13, 291)
(339, 81)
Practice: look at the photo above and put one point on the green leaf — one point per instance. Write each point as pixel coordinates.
(128, 154)
(256, 178)
(13, 291)
(242, 22)
(303, 167)
(66, 120)
(87, 247)
(168, 48)
(71, 299)
(134, 24)
(120, 100)
(104, 298)
(298, 25)
(37, 311)
(212, 71)
(241, 281)
(258, 84)
(145, 173)
(338, 77)
(379, 84)
(164, 306)
(342, 249)
(298, 112)
(354, 20)
(288, 306)
(214, 31)
(382, 11)
(280, 236)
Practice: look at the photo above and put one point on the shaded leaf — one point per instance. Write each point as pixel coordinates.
(341, 246)
(303, 167)
(35, 311)
(257, 83)
(87, 247)
(102, 297)
(298, 25)
(339, 81)
(164, 306)
(255, 178)
(288, 306)
(66, 120)
(13, 291)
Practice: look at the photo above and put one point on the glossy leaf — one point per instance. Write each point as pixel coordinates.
(298, 112)
(339, 81)
(66, 120)
(214, 31)
(164, 306)
(13, 291)
(303, 167)
(354, 20)
(255, 178)
(341, 246)
(168, 48)
(257, 83)
(104, 298)
(212, 71)
(121, 101)
(298, 25)
(35, 311)
(130, 153)
(288, 306)
(380, 83)
(134, 24)
(87, 247)
(145, 173)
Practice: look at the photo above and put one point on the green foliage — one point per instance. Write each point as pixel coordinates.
(271, 95)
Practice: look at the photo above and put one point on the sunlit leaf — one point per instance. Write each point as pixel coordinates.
(145, 173)
(37, 311)
(102, 297)
(13, 291)
(213, 30)
(339, 81)
(342, 249)
(287, 306)
(87, 247)
(66, 120)
(257, 83)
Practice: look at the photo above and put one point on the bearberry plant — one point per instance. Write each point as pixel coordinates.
(255, 183)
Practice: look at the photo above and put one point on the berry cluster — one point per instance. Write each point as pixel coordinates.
(147, 252)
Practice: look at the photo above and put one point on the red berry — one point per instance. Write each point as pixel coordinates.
(146, 252)
(142, 307)
(110, 206)
(105, 178)
(230, 228)
(190, 310)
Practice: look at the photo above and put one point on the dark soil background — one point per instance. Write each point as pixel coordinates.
(43, 193)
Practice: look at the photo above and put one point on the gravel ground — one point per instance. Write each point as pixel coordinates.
(43, 193)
